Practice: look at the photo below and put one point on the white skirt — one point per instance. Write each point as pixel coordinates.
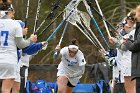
(8, 71)
(73, 80)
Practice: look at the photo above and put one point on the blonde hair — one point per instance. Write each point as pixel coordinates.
(132, 13)
(138, 7)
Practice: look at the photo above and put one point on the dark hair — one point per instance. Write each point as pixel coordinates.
(74, 42)
(6, 7)
(131, 18)
(4, 1)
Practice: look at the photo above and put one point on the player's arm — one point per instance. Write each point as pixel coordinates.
(22, 43)
(57, 53)
(133, 46)
(34, 48)
(80, 72)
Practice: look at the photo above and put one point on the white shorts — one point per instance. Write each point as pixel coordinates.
(73, 80)
(8, 71)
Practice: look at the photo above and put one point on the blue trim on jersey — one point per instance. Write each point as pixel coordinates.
(32, 48)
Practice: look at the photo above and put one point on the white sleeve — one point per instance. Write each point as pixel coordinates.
(63, 51)
(22, 43)
(18, 30)
(80, 72)
(81, 59)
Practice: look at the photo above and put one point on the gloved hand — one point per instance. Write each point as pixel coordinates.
(44, 45)
(57, 47)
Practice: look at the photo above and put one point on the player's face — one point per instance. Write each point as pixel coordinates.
(72, 53)
(9, 1)
(138, 14)
(11, 14)
(1, 2)
(130, 23)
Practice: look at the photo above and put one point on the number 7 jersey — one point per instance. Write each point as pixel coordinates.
(9, 29)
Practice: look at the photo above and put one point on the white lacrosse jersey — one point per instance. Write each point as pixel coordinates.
(9, 29)
(71, 64)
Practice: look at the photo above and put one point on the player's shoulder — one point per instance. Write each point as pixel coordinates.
(11, 22)
(80, 52)
(64, 48)
(15, 23)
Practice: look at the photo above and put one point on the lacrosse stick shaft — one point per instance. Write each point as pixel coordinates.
(63, 34)
(37, 15)
(103, 17)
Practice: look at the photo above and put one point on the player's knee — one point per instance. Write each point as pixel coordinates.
(61, 88)
(61, 91)
(15, 91)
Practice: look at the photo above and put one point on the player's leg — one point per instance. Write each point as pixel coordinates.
(62, 84)
(9, 73)
(112, 86)
(70, 87)
(7, 85)
(130, 86)
(16, 87)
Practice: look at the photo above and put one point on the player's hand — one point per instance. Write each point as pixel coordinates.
(111, 40)
(33, 38)
(103, 52)
(25, 31)
(57, 47)
(44, 45)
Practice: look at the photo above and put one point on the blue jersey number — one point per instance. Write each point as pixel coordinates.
(5, 33)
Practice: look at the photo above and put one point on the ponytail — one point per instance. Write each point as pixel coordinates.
(74, 42)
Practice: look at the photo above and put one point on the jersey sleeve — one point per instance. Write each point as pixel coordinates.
(18, 30)
(32, 48)
(63, 51)
(81, 59)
